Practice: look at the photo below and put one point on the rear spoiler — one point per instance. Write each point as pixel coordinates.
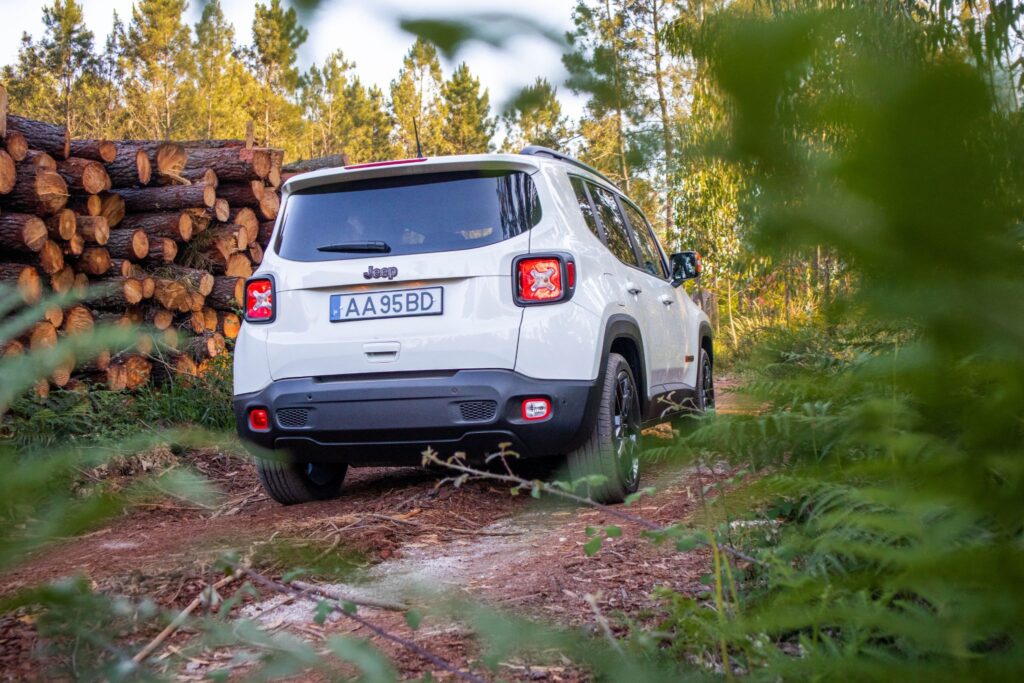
(415, 166)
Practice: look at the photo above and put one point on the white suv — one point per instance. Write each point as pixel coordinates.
(459, 303)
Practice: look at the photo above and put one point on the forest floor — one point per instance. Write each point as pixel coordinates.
(403, 531)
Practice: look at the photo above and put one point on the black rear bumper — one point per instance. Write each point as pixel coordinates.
(390, 419)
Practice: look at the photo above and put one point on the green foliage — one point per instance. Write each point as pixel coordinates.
(157, 61)
(535, 117)
(100, 416)
(415, 101)
(465, 112)
(344, 116)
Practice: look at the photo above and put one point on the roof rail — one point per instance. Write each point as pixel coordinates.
(537, 150)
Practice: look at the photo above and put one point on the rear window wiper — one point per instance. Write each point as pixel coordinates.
(366, 247)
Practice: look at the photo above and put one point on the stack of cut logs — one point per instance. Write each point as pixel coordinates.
(167, 232)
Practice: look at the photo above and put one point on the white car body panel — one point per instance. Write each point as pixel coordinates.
(482, 327)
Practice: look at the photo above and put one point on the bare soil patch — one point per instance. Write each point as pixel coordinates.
(411, 533)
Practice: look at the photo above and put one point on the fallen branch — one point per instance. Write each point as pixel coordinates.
(449, 529)
(206, 593)
(342, 596)
(430, 458)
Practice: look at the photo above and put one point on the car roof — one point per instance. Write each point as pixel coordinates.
(529, 163)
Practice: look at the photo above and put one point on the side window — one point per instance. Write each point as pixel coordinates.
(614, 226)
(648, 247)
(585, 207)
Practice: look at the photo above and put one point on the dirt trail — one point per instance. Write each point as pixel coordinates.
(513, 552)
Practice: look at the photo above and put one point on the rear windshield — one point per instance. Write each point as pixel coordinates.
(410, 214)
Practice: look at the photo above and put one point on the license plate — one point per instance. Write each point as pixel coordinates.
(400, 303)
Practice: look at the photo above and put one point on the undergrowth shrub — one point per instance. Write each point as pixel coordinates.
(97, 414)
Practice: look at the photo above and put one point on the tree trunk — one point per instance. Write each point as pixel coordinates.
(112, 208)
(246, 218)
(666, 126)
(128, 244)
(206, 345)
(194, 279)
(232, 163)
(118, 293)
(41, 336)
(63, 225)
(22, 232)
(94, 261)
(78, 320)
(168, 198)
(90, 205)
(131, 167)
(227, 293)
(256, 253)
(94, 229)
(15, 144)
(40, 160)
(37, 191)
(228, 324)
(97, 150)
(25, 278)
(62, 280)
(137, 371)
(48, 137)
(221, 210)
(238, 265)
(175, 225)
(74, 246)
(162, 250)
(51, 258)
(8, 172)
(84, 175)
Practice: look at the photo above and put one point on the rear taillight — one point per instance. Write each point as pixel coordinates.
(542, 279)
(259, 300)
(259, 420)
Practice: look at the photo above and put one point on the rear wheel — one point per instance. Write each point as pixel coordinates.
(613, 449)
(290, 483)
(703, 396)
(705, 399)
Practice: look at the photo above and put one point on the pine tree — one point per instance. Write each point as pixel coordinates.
(47, 80)
(603, 63)
(415, 100)
(535, 118)
(661, 75)
(220, 79)
(277, 36)
(104, 92)
(344, 116)
(158, 61)
(466, 110)
(324, 101)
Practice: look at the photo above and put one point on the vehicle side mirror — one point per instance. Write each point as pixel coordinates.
(686, 265)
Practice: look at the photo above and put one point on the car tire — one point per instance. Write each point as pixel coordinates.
(704, 400)
(290, 483)
(703, 397)
(613, 448)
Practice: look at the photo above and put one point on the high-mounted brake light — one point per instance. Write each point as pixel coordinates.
(544, 278)
(259, 300)
(259, 420)
(393, 162)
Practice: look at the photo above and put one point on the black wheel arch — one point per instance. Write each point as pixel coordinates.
(622, 336)
(706, 337)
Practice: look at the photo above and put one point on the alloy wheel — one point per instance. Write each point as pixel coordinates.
(626, 429)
